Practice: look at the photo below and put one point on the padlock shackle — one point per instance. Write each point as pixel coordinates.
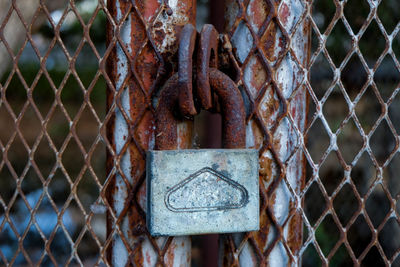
(166, 122)
(231, 105)
(232, 109)
(207, 57)
(185, 72)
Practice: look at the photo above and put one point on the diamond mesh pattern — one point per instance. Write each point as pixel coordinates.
(53, 149)
(55, 191)
(348, 141)
(143, 66)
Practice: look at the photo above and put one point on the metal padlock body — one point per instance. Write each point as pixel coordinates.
(199, 191)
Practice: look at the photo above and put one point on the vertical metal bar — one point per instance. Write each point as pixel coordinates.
(270, 41)
(212, 139)
(144, 38)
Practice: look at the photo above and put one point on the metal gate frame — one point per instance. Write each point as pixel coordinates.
(270, 73)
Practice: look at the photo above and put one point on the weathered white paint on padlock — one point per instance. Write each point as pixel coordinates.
(202, 191)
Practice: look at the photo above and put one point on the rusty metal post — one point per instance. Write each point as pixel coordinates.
(142, 37)
(269, 46)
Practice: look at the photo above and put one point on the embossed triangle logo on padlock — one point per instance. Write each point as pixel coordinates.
(206, 190)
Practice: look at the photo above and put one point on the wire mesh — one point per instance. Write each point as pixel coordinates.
(54, 186)
(349, 142)
(53, 148)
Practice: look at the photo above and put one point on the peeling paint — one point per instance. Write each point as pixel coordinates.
(270, 107)
(242, 41)
(181, 255)
(120, 133)
(281, 207)
(165, 32)
(149, 252)
(257, 12)
(254, 76)
(290, 13)
(184, 134)
(289, 80)
(273, 42)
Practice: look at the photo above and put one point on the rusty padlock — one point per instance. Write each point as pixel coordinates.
(199, 191)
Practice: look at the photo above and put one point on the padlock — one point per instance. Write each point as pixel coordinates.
(200, 191)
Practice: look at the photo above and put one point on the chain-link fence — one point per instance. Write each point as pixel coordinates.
(320, 81)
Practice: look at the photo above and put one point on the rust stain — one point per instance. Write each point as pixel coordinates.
(261, 236)
(149, 8)
(232, 110)
(258, 11)
(271, 111)
(185, 74)
(165, 121)
(207, 57)
(266, 172)
(270, 107)
(185, 134)
(170, 255)
(259, 75)
(147, 67)
(284, 13)
(268, 41)
(295, 233)
(145, 129)
(257, 138)
(148, 259)
(147, 56)
(167, 26)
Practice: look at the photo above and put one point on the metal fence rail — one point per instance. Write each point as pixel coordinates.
(320, 80)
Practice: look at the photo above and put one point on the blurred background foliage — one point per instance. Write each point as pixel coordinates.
(71, 89)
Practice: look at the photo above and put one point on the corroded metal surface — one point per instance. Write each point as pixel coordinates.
(144, 36)
(54, 196)
(185, 70)
(220, 187)
(232, 110)
(207, 56)
(269, 48)
(202, 191)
